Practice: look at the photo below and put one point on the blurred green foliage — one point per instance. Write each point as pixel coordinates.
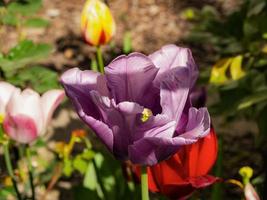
(20, 66)
(236, 43)
(22, 13)
(237, 48)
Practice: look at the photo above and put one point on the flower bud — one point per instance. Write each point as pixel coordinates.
(97, 23)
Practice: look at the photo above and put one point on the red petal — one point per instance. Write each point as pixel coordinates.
(201, 155)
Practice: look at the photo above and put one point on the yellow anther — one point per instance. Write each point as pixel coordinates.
(146, 114)
(246, 173)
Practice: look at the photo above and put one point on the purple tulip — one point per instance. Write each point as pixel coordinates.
(140, 108)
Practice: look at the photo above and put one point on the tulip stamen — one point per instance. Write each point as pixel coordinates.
(146, 114)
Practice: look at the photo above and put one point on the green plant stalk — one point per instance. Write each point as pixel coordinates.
(100, 59)
(10, 170)
(28, 154)
(144, 183)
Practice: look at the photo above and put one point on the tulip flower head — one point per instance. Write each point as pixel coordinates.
(27, 114)
(140, 108)
(184, 172)
(97, 23)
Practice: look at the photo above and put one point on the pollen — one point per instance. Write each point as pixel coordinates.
(146, 114)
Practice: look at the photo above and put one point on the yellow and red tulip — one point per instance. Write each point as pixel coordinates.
(97, 23)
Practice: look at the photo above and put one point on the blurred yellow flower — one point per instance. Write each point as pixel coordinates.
(97, 23)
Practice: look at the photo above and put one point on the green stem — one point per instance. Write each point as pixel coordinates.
(100, 59)
(144, 183)
(28, 152)
(10, 170)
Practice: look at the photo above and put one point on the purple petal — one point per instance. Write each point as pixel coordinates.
(120, 119)
(130, 78)
(158, 142)
(174, 92)
(77, 85)
(151, 150)
(198, 125)
(171, 56)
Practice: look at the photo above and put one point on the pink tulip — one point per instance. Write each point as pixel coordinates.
(27, 114)
(6, 91)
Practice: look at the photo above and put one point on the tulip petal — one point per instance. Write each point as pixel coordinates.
(6, 91)
(130, 78)
(120, 119)
(171, 56)
(20, 128)
(203, 152)
(174, 92)
(49, 101)
(202, 181)
(28, 103)
(78, 85)
(250, 192)
(198, 125)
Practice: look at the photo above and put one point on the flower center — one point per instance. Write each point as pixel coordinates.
(146, 114)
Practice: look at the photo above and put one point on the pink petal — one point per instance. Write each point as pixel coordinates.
(20, 128)
(250, 192)
(49, 102)
(26, 103)
(6, 91)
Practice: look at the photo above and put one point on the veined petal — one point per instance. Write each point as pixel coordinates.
(172, 56)
(130, 78)
(198, 125)
(174, 90)
(49, 101)
(20, 128)
(6, 91)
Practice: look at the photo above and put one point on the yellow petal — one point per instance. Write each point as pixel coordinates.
(97, 23)
(218, 72)
(236, 68)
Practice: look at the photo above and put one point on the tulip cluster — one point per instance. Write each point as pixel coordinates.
(184, 172)
(141, 107)
(26, 113)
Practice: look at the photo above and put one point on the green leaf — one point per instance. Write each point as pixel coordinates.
(9, 19)
(94, 65)
(6, 191)
(25, 53)
(253, 99)
(90, 178)
(27, 7)
(39, 78)
(88, 154)
(80, 164)
(67, 167)
(36, 22)
(127, 43)
(81, 193)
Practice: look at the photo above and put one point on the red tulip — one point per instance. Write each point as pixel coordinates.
(186, 170)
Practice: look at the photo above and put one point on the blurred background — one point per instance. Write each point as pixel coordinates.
(40, 39)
